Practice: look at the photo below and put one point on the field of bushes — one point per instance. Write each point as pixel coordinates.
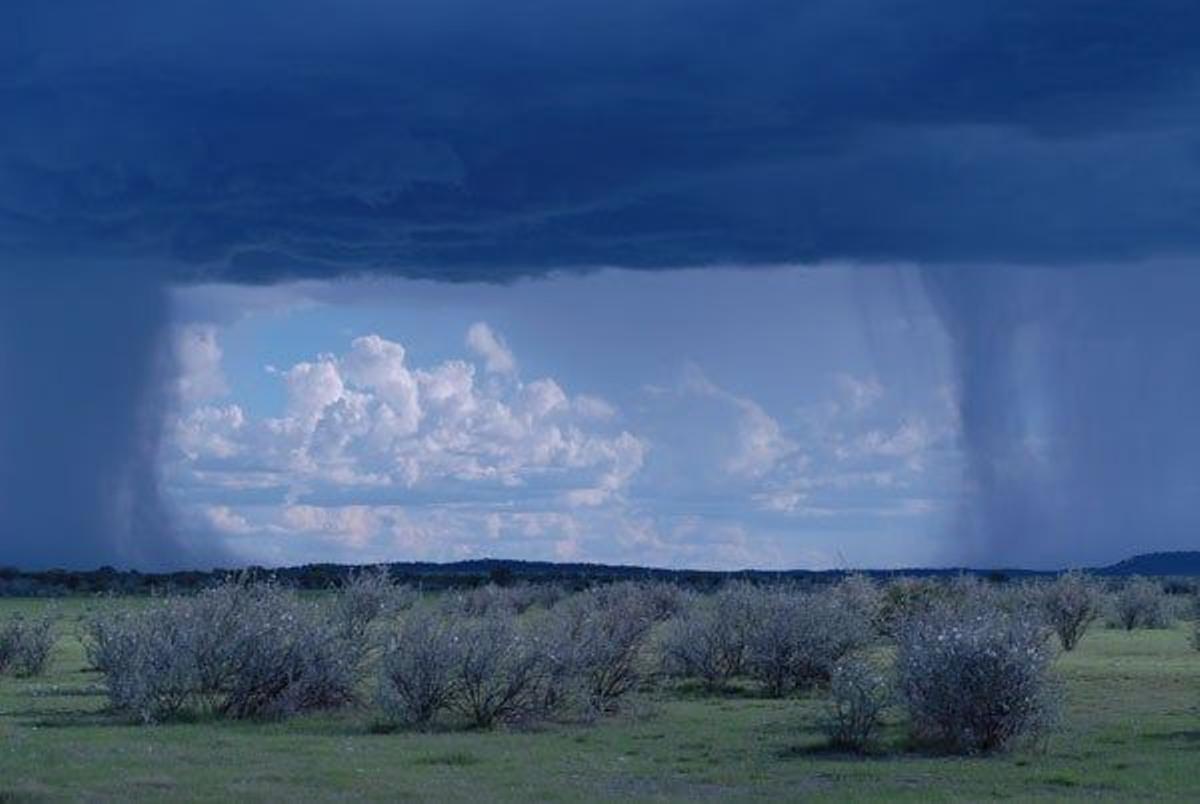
(913, 688)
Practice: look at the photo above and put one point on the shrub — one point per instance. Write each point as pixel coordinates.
(863, 596)
(975, 681)
(1196, 622)
(516, 599)
(797, 639)
(596, 645)
(240, 650)
(660, 600)
(417, 672)
(1140, 603)
(908, 598)
(500, 671)
(148, 666)
(859, 695)
(25, 645)
(709, 639)
(1070, 604)
(701, 643)
(363, 598)
(100, 636)
(289, 659)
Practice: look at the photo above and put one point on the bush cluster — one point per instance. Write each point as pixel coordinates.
(1070, 604)
(782, 638)
(709, 640)
(971, 666)
(25, 645)
(515, 599)
(797, 639)
(237, 650)
(1139, 603)
(583, 656)
(975, 682)
(859, 694)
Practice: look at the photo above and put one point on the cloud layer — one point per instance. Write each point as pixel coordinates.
(456, 140)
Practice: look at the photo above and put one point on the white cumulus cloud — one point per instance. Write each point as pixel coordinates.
(491, 347)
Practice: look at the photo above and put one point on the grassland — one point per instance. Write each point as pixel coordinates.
(1131, 731)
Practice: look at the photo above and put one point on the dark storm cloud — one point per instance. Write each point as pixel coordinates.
(255, 140)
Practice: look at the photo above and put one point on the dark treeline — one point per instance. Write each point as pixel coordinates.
(466, 574)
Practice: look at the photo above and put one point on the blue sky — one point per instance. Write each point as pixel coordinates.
(712, 418)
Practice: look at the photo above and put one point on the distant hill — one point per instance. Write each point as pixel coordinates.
(461, 574)
(1180, 562)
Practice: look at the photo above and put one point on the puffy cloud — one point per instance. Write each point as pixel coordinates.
(495, 353)
(760, 442)
(210, 432)
(199, 361)
(224, 520)
(909, 441)
(366, 420)
(846, 455)
(351, 525)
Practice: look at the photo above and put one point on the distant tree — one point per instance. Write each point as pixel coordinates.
(1071, 603)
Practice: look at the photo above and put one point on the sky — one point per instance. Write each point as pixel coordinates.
(818, 283)
(569, 419)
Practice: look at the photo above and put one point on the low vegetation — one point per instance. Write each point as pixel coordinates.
(1140, 603)
(975, 680)
(926, 667)
(859, 695)
(25, 645)
(1070, 604)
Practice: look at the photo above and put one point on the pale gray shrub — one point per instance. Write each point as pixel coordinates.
(1179, 607)
(905, 598)
(149, 666)
(364, 597)
(738, 604)
(859, 695)
(798, 638)
(970, 592)
(1139, 603)
(239, 650)
(709, 639)
(595, 645)
(26, 644)
(863, 596)
(703, 643)
(418, 671)
(662, 600)
(500, 673)
(1196, 622)
(975, 682)
(100, 636)
(1071, 603)
(525, 596)
(290, 659)
(516, 599)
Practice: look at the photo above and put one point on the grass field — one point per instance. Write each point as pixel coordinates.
(1131, 730)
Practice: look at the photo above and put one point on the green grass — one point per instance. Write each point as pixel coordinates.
(1131, 730)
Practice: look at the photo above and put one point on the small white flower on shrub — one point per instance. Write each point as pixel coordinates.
(859, 694)
(26, 644)
(976, 681)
